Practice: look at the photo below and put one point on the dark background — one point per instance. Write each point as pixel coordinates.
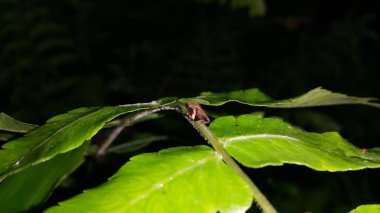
(60, 55)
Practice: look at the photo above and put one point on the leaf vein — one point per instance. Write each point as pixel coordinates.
(258, 136)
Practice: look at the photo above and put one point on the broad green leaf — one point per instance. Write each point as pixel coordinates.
(30, 188)
(60, 134)
(370, 208)
(7, 123)
(256, 142)
(254, 97)
(181, 179)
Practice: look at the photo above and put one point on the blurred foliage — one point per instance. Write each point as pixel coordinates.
(255, 7)
(59, 55)
(65, 54)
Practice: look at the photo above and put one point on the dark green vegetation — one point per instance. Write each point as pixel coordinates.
(181, 179)
(57, 56)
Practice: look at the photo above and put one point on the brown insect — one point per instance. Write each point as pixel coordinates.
(196, 113)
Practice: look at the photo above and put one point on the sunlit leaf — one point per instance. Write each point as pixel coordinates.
(60, 134)
(182, 179)
(7, 123)
(257, 142)
(371, 208)
(254, 97)
(30, 188)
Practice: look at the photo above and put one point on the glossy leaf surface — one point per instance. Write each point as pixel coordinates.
(257, 142)
(181, 179)
(60, 134)
(254, 97)
(27, 190)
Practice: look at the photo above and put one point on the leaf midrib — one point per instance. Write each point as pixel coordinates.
(226, 140)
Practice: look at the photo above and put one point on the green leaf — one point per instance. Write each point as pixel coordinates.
(60, 134)
(7, 123)
(257, 142)
(181, 179)
(370, 208)
(30, 188)
(254, 97)
(322, 97)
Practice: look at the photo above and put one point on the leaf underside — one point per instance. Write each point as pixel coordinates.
(130, 146)
(257, 142)
(181, 179)
(27, 190)
(60, 134)
(254, 97)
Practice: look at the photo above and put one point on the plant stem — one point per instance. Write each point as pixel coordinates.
(129, 121)
(261, 200)
(205, 132)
